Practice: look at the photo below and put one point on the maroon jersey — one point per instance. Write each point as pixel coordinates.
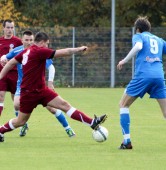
(8, 44)
(33, 62)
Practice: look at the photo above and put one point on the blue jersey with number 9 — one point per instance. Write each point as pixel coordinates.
(148, 62)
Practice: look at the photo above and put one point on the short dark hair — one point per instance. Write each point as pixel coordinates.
(27, 32)
(41, 36)
(5, 21)
(143, 24)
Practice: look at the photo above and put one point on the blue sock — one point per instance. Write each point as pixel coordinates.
(61, 118)
(125, 124)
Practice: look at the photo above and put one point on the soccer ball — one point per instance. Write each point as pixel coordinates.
(100, 134)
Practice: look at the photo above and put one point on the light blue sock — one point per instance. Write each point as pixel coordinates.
(62, 119)
(125, 124)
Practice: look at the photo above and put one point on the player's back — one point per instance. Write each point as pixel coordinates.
(33, 62)
(149, 59)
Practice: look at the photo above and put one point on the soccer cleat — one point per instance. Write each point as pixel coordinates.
(1, 137)
(126, 146)
(70, 132)
(23, 130)
(98, 120)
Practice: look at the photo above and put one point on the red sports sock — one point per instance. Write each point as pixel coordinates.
(1, 109)
(82, 117)
(5, 128)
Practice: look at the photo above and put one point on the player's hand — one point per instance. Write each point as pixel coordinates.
(3, 60)
(83, 48)
(50, 85)
(120, 64)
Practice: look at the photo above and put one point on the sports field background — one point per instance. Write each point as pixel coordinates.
(47, 147)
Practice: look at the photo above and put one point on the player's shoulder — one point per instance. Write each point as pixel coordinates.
(42, 49)
(16, 38)
(137, 35)
(15, 41)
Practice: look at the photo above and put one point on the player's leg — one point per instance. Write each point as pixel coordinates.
(2, 97)
(136, 88)
(6, 85)
(17, 104)
(124, 105)
(59, 103)
(162, 104)
(24, 128)
(62, 119)
(13, 124)
(12, 87)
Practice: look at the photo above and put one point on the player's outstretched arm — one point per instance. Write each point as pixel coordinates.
(137, 47)
(8, 67)
(70, 51)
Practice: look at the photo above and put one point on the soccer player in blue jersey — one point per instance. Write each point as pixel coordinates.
(27, 40)
(148, 77)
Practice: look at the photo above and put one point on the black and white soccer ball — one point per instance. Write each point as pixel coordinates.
(100, 134)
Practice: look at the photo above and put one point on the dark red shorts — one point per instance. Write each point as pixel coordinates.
(30, 99)
(9, 82)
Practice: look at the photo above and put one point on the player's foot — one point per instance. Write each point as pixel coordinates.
(1, 137)
(98, 120)
(23, 130)
(70, 132)
(126, 146)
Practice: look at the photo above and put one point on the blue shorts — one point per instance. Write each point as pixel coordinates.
(155, 87)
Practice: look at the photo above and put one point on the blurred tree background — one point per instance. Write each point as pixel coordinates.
(92, 22)
(81, 13)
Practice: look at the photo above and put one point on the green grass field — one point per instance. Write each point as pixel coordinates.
(47, 147)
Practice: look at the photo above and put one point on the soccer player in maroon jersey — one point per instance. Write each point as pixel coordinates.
(33, 88)
(7, 42)
(28, 40)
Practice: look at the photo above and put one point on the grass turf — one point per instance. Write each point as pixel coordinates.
(47, 146)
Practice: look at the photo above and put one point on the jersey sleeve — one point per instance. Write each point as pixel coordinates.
(47, 53)
(136, 38)
(48, 62)
(14, 52)
(19, 42)
(10, 55)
